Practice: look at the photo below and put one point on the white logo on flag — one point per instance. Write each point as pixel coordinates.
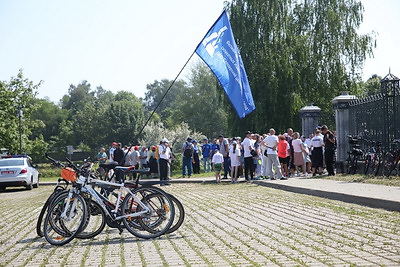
(211, 42)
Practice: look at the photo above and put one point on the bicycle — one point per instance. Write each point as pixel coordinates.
(391, 160)
(67, 213)
(354, 155)
(373, 158)
(57, 190)
(153, 213)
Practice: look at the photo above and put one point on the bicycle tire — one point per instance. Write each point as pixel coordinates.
(367, 164)
(59, 231)
(348, 165)
(378, 164)
(95, 221)
(179, 213)
(153, 224)
(388, 164)
(45, 208)
(145, 190)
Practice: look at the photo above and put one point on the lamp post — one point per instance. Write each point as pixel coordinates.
(20, 114)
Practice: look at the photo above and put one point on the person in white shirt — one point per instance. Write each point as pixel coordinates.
(308, 140)
(234, 155)
(271, 142)
(165, 154)
(217, 164)
(317, 156)
(112, 149)
(264, 171)
(248, 146)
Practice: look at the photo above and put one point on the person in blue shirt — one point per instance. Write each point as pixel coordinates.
(214, 146)
(206, 151)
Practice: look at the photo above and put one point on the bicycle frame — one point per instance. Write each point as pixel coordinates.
(100, 199)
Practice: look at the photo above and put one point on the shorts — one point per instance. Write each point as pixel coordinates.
(218, 167)
(284, 160)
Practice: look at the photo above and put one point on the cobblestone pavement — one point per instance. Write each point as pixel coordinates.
(226, 224)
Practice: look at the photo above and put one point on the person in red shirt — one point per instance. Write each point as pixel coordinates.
(284, 154)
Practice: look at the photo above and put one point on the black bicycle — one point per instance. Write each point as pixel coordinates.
(373, 158)
(391, 160)
(354, 155)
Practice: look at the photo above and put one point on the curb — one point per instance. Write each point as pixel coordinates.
(365, 201)
(389, 205)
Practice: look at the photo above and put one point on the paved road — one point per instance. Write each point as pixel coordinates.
(226, 225)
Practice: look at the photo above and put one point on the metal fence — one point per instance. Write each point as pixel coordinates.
(377, 117)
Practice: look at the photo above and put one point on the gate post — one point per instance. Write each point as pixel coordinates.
(342, 117)
(309, 119)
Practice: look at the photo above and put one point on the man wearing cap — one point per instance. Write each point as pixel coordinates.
(248, 146)
(164, 162)
(206, 152)
(224, 150)
(187, 156)
(214, 146)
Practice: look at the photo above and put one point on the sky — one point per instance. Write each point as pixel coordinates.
(127, 44)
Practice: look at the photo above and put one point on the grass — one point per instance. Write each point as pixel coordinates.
(360, 178)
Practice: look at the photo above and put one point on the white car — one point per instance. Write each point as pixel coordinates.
(18, 171)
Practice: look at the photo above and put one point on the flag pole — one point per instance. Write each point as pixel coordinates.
(165, 94)
(173, 82)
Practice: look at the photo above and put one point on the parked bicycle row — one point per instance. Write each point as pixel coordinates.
(369, 155)
(82, 204)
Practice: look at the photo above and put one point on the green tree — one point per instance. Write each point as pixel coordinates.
(18, 92)
(77, 97)
(372, 86)
(297, 52)
(154, 97)
(126, 118)
(51, 116)
(200, 105)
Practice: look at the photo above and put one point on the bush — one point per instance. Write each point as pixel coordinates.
(47, 170)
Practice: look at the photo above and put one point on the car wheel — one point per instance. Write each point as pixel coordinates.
(29, 186)
(37, 184)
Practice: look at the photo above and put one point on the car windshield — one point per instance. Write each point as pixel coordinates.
(11, 162)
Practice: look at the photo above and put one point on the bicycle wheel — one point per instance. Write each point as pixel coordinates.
(367, 163)
(95, 221)
(179, 215)
(155, 222)
(47, 204)
(388, 164)
(142, 192)
(377, 164)
(65, 218)
(348, 165)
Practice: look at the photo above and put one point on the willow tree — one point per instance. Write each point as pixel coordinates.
(296, 52)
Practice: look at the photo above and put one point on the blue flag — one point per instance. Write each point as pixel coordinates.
(219, 51)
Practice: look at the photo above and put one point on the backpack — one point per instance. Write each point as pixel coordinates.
(188, 151)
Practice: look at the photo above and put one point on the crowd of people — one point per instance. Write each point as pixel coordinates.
(267, 156)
